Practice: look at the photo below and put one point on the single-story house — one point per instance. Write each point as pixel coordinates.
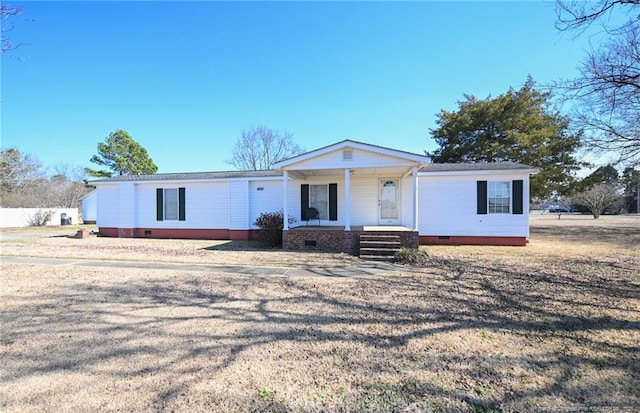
(336, 195)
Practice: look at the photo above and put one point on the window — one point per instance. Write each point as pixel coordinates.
(171, 204)
(499, 197)
(324, 198)
(319, 199)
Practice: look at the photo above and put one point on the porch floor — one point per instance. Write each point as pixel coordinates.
(376, 228)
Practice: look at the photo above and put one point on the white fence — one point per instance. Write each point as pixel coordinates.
(24, 217)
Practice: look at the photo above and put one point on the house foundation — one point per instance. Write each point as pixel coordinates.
(336, 239)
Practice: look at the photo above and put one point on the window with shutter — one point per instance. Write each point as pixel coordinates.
(170, 204)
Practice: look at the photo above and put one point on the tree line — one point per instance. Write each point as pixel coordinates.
(25, 183)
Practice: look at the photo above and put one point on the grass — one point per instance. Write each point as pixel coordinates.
(551, 326)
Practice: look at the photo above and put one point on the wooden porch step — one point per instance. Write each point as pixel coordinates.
(378, 251)
(385, 258)
(382, 243)
(379, 247)
(378, 236)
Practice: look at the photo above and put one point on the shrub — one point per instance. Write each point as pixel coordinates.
(270, 226)
(40, 218)
(411, 256)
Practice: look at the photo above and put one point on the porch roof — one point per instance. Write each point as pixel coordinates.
(351, 144)
(356, 157)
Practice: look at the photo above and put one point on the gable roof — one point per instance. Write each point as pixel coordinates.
(347, 143)
(88, 194)
(427, 168)
(189, 176)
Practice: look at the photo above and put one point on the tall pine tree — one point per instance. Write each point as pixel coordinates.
(122, 155)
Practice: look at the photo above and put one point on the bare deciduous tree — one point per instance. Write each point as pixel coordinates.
(7, 12)
(599, 198)
(608, 88)
(259, 148)
(24, 183)
(21, 177)
(579, 15)
(67, 186)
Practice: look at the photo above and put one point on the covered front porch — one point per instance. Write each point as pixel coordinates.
(349, 191)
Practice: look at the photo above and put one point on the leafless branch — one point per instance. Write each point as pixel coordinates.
(260, 147)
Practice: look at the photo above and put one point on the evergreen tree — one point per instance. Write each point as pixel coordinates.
(122, 156)
(518, 126)
(606, 174)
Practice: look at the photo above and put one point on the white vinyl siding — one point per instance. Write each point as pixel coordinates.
(447, 207)
(265, 196)
(238, 204)
(359, 159)
(206, 206)
(90, 206)
(107, 200)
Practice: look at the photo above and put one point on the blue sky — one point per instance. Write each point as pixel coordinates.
(185, 78)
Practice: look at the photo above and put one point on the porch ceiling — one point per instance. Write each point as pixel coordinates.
(355, 172)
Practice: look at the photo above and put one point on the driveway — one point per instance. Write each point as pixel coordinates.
(365, 269)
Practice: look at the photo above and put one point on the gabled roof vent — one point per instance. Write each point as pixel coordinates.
(347, 155)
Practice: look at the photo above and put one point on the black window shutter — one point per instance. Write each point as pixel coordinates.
(304, 202)
(159, 204)
(181, 212)
(517, 196)
(482, 197)
(333, 202)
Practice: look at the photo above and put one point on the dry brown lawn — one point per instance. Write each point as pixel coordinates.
(551, 326)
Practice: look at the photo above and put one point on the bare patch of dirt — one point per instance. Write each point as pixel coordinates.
(551, 326)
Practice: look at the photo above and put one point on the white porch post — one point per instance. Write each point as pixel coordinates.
(285, 209)
(415, 198)
(347, 200)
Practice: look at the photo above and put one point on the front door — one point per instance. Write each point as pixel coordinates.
(388, 202)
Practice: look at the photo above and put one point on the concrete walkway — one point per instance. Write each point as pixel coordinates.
(361, 270)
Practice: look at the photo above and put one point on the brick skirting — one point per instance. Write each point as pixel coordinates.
(471, 240)
(179, 233)
(335, 240)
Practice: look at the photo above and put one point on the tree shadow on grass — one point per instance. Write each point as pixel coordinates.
(625, 237)
(383, 335)
(240, 246)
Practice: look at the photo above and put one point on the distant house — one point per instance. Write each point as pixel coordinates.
(336, 194)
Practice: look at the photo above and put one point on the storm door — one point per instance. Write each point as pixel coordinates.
(389, 202)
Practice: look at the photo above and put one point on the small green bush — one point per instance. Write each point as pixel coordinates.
(270, 226)
(411, 256)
